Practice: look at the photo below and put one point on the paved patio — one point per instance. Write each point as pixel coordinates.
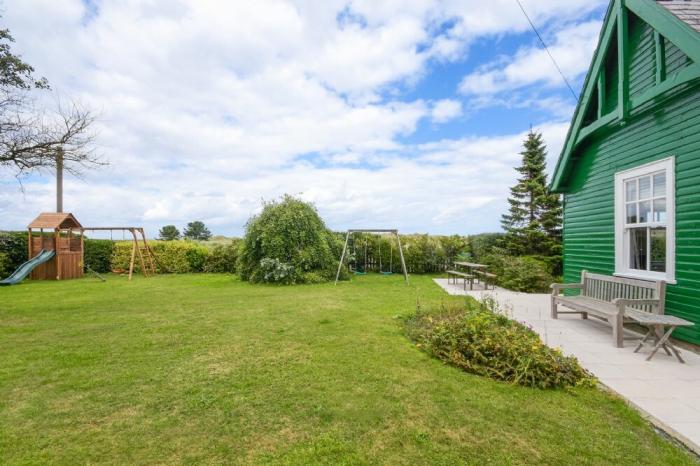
(665, 391)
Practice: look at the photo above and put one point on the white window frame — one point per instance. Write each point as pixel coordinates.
(621, 249)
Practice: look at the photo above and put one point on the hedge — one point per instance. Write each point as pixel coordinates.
(13, 246)
(423, 253)
(171, 256)
(98, 254)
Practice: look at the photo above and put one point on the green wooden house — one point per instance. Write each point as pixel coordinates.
(630, 168)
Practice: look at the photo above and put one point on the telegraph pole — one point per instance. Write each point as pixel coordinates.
(59, 180)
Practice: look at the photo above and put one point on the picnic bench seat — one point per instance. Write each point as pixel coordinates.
(487, 278)
(610, 299)
(455, 274)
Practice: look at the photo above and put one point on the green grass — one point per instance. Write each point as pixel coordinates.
(205, 369)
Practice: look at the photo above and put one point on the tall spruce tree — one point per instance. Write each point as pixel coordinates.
(533, 221)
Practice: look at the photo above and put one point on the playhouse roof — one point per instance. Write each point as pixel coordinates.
(55, 220)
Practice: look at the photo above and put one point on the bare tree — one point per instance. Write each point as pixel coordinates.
(31, 139)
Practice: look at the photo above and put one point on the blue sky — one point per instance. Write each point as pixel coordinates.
(405, 114)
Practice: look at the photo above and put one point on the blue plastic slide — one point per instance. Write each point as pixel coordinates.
(26, 268)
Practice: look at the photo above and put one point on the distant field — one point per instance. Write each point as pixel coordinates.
(207, 369)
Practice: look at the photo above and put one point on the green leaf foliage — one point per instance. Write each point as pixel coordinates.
(222, 258)
(196, 231)
(534, 219)
(171, 256)
(169, 233)
(14, 245)
(480, 339)
(98, 254)
(293, 238)
(5, 268)
(14, 72)
(521, 273)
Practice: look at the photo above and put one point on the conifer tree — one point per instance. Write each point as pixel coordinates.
(533, 221)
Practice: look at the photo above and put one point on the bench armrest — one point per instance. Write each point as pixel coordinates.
(557, 287)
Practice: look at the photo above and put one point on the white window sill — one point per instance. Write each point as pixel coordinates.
(645, 277)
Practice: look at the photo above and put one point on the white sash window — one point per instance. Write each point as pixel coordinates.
(645, 221)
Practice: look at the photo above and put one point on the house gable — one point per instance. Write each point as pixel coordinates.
(645, 50)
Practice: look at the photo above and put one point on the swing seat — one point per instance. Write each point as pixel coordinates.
(359, 272)
(387, 273)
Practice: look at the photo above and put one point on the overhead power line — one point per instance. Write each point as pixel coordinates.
(556, 65)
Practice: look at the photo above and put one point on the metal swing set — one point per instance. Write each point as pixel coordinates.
(391, 253)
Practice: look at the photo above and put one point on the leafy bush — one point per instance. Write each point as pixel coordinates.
(289, 233)
(483, 245)
(222, 257)
(5, 268)
(97, 254)
(14, 244)
(477, 338)
(275, 271)
(171, 256)
(520, 273)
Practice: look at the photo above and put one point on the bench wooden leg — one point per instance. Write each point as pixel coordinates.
(554, 308)
(618, 330)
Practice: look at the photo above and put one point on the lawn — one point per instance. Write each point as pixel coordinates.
(207, 369)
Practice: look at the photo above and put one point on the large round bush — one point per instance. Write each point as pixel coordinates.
(288, 243)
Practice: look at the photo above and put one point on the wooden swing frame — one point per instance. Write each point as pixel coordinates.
(147, 264)
(375, 230)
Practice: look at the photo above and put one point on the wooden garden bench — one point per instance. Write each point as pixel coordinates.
(609, 298)
(454, 274)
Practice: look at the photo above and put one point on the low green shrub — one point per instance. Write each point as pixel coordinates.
(520, 273)
(171, 256)
(222, 257)
(479, 339)
(98, 254)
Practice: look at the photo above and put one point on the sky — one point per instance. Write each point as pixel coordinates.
(405, 114)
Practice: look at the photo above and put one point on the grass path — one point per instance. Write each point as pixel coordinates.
(199, 369)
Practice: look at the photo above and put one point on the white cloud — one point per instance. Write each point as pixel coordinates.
(446, 110)
(572, 48)
(207, 107)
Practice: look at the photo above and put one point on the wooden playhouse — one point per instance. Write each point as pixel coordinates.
(61, 237)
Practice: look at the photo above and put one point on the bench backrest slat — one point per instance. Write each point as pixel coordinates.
(607, 288)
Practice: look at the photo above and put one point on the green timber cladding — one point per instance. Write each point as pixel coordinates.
(640, 104)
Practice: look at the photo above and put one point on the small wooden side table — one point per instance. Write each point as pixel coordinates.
(660, 327)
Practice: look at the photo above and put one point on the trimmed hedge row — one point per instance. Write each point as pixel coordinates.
(180, 257)
(103, 256)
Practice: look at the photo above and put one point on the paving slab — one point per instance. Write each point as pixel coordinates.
(665, 391)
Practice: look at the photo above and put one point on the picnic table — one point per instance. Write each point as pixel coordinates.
(660, 327)
(473, 270)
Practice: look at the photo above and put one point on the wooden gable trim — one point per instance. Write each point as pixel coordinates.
(623, 82)
(588, 87)
(687, 74)
(665, 24)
